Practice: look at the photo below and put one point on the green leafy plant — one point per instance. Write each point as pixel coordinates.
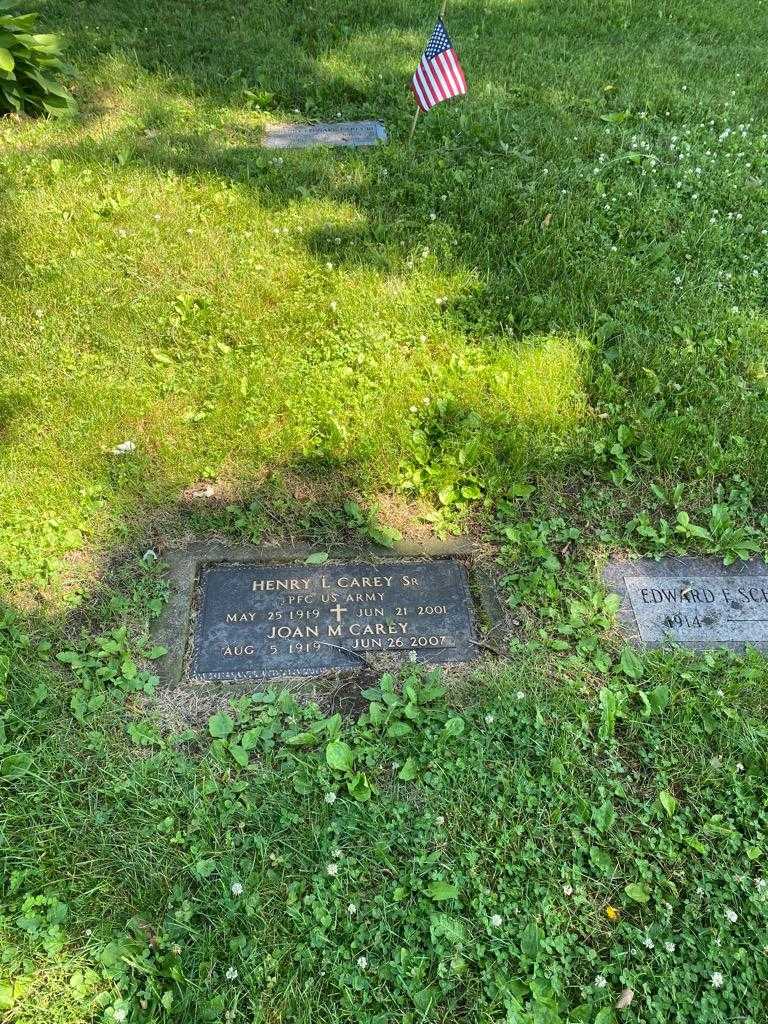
(30, 64)
(619, 456)
(106, 663)
(367, 523)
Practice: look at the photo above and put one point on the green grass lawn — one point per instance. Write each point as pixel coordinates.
(544, 321)
(575, 248)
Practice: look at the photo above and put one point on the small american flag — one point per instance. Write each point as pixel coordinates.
(439, 76)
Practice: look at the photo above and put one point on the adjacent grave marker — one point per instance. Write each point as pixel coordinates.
(340, 133)
(256, 620)
(697, 603)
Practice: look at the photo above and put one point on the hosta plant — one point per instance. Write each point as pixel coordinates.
(30, 64)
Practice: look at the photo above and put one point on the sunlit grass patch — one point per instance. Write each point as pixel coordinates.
(223, 326)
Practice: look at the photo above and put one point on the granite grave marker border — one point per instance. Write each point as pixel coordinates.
(184, 614)
(282, 620)
(352, 134)
(697, 603)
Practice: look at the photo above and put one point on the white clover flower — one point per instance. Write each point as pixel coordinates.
(332, 870)
(601, 981)
(121, 1015)
(520, 695)
(496, 920)
(336, 854)
(231, 974)
(648, 942)
(731, 916)
(669, 947)
(433, 216)
(567, 890)
(717, 980)
(362, 962)
(330, 797)
(333, 306)
(761, 884)
(488, 719)
(352, 909)
(236, 889)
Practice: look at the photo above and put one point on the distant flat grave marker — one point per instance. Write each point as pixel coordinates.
(257, 620)
(340, 133)
(697, 603)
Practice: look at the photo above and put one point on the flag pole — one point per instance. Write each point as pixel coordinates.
(418, 108)
(413, 123)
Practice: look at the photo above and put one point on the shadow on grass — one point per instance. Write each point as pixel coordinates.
(289, 54)
(537, 73)
(392, 191)
(310, 53)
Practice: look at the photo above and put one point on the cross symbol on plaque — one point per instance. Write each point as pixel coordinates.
(337, 611)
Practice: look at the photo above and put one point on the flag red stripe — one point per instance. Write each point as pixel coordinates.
(436, 81)
(424, 85)
(429, 83)
(453, 84)
(459, 70)
(445, 76)
(417, 92)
